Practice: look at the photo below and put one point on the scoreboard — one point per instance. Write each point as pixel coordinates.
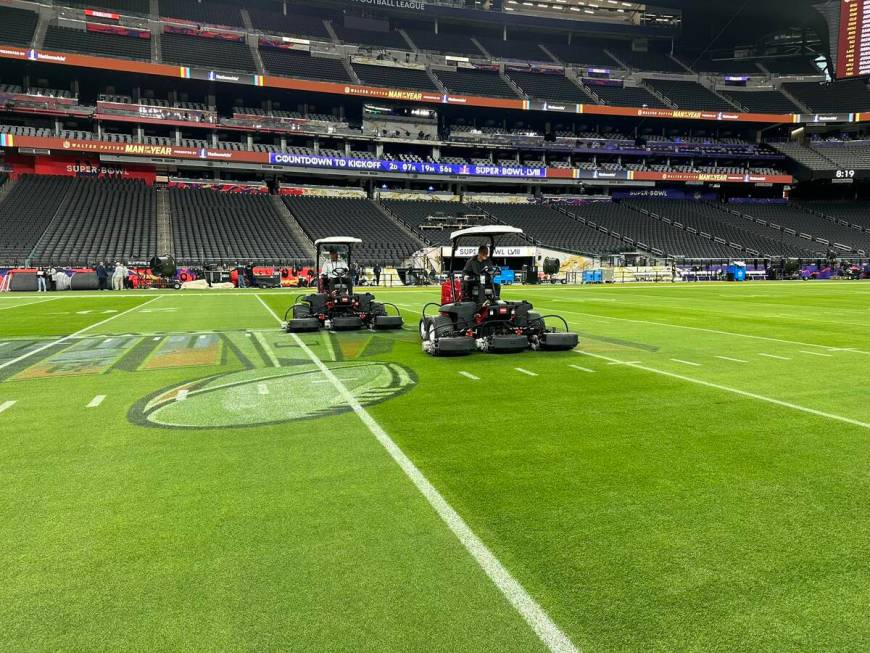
(853, 43)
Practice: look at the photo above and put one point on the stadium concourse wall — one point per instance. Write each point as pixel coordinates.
(378, 93)
(306, 163)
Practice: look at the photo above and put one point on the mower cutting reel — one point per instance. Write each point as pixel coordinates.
(335, 305)
(473, 317)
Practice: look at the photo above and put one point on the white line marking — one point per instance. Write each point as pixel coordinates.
(41, 301)
(582, 369)
(249, 334)
(96, 401)
(814, 353)
(526, 372)
(6, 405)
(182, 394)
(733, 360)
(742, 393)
(468, 375)
(77, 333)
(691, 328)
(616, 362)
(553, 638)
(156, 338)
(262, 388)
(3, 344)
(677, 360)
(271, 354)
(779, 358)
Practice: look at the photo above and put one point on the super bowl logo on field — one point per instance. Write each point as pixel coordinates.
(257, 397)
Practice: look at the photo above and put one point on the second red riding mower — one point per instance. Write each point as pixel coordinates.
(335, 305)
(472, 316)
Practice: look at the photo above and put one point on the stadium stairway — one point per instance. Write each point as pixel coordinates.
(413, 235)
(301, 237)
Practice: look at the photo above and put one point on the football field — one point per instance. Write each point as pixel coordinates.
(177, 473)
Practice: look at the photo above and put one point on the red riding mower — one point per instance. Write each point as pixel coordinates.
(472, 316)
(335, 305)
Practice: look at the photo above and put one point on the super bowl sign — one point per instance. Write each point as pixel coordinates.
(419, 167)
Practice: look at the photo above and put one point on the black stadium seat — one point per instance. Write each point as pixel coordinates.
(394, 77)
(475, 82)
(211, 226)
(111, 45)
(17, 25)
(292, 63)
(383, 240)
(207, 52)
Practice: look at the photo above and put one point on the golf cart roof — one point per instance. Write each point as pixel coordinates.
(489, 230)
(338, 240)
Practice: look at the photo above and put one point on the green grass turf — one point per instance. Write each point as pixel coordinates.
(644, 512)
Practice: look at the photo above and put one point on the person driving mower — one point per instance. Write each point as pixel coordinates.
(334, 263)
(477, 278)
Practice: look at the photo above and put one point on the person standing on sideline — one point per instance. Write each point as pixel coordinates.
(377, 272)
(118, 276)
(40, 279)
(102, 276)
(240, 276)
(52, 278)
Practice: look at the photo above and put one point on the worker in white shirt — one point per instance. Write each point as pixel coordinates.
(334, 263)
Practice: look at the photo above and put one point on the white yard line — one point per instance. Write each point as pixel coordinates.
(41, 301)
(737, 391)
(76, 334)
(468, 375)
(677, 360)
(526, 372)
(702, 329)
(544, 627)
(774, 356)
(582, 369)
(6, 405)
(271, 354)
(814, 353)
(733, 360)
(96, 401)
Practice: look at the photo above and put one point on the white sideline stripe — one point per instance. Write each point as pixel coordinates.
(677, 360)
(182, 394)
(271, 354)
(76, 334)
(522, 371)
(691, 328)
(733, 360)
(616, 362)
(814, 353)
(41, 301)
(548, 632)
(742, 393)
(262, 388)
(468, 375)
(779, 358)
(6, 405)
(582, 369)
(96, 401)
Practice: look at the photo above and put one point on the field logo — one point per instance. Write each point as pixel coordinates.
(270, 396)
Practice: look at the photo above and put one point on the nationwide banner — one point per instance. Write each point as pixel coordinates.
(309, 161)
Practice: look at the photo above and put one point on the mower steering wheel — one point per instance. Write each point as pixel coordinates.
(337, 273)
